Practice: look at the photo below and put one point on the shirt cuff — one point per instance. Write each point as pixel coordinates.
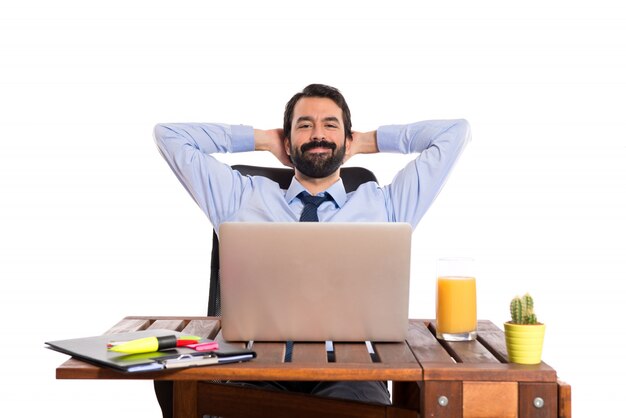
(242, 138)
(387, 138)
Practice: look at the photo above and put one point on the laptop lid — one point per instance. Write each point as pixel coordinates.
(314, 281)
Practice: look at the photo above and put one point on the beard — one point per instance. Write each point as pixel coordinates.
(318, 165)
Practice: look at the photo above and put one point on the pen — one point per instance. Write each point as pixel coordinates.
(151, 344)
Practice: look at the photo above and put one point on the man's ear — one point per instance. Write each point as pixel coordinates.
(348, 147)
(287, 144)
(349, 142)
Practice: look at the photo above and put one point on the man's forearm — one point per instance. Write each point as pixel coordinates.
(419, 136)
(272, 140)
(362, 143)
(365, 142)
(207, 138)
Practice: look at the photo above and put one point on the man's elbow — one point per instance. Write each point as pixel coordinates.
(165, 135)
(465, 130)
(159, 133)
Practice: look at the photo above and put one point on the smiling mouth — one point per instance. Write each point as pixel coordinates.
(319, 150)
(317, 147)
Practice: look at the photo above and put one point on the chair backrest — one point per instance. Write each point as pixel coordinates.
(352, 178)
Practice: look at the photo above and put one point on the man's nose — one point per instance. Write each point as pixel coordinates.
(318, 133)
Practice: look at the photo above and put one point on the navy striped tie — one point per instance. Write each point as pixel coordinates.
(311, 203)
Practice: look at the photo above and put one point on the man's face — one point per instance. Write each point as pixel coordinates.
(318, 144)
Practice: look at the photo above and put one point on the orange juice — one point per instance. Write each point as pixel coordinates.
(456, 305)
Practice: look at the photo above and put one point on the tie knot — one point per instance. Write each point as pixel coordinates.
(307, 199)
(311, 203)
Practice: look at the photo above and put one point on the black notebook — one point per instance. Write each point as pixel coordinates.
(94, 350)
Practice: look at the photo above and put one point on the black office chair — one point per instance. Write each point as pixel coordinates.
(352, 178)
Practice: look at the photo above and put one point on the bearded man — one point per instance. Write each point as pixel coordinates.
(316, 139)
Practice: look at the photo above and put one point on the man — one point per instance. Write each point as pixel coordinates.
(316, 139)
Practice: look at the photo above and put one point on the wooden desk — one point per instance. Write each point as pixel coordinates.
(430, 378)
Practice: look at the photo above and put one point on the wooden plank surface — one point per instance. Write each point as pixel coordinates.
(129, 325)
(309, 353)
(466, 351)
(169, 324)
(496, 372)
(252, 370)
(352, 353)
(205, 328)
(423, 356)
(481, 360)
(469, 352)
(269, 352)
(424, 345)
(394, 353)
(492, 338)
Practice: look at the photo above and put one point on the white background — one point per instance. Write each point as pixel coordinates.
(94, 226)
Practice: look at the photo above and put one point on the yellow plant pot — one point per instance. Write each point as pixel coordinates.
(524, 342)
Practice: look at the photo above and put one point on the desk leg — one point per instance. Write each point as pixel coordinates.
(185, 399)
(538, 400)
(441, 399)
(565, 400)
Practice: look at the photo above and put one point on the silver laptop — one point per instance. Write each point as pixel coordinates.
(314, 281)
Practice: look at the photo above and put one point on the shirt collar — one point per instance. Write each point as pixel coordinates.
(337, 191)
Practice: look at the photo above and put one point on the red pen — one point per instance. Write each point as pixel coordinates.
(185, 343)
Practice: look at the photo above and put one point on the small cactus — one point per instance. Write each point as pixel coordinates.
(522, 310)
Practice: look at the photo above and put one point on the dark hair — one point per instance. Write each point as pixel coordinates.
(318, 90)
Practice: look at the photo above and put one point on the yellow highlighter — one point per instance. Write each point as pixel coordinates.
(150, 344)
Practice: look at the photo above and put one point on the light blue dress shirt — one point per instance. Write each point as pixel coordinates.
(226, 195)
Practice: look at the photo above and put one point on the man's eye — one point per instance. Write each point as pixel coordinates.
(304, 126)
(330, 125)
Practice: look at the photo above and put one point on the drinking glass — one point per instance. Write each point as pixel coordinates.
(456, 299)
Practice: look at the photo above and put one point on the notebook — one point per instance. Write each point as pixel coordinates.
(314, 281)
(94, 350)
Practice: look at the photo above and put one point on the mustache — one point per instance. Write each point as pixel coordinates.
(317, 144)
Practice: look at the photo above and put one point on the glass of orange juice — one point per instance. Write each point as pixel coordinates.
(456, 299)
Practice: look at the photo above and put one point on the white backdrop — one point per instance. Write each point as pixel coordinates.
(94, 226)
